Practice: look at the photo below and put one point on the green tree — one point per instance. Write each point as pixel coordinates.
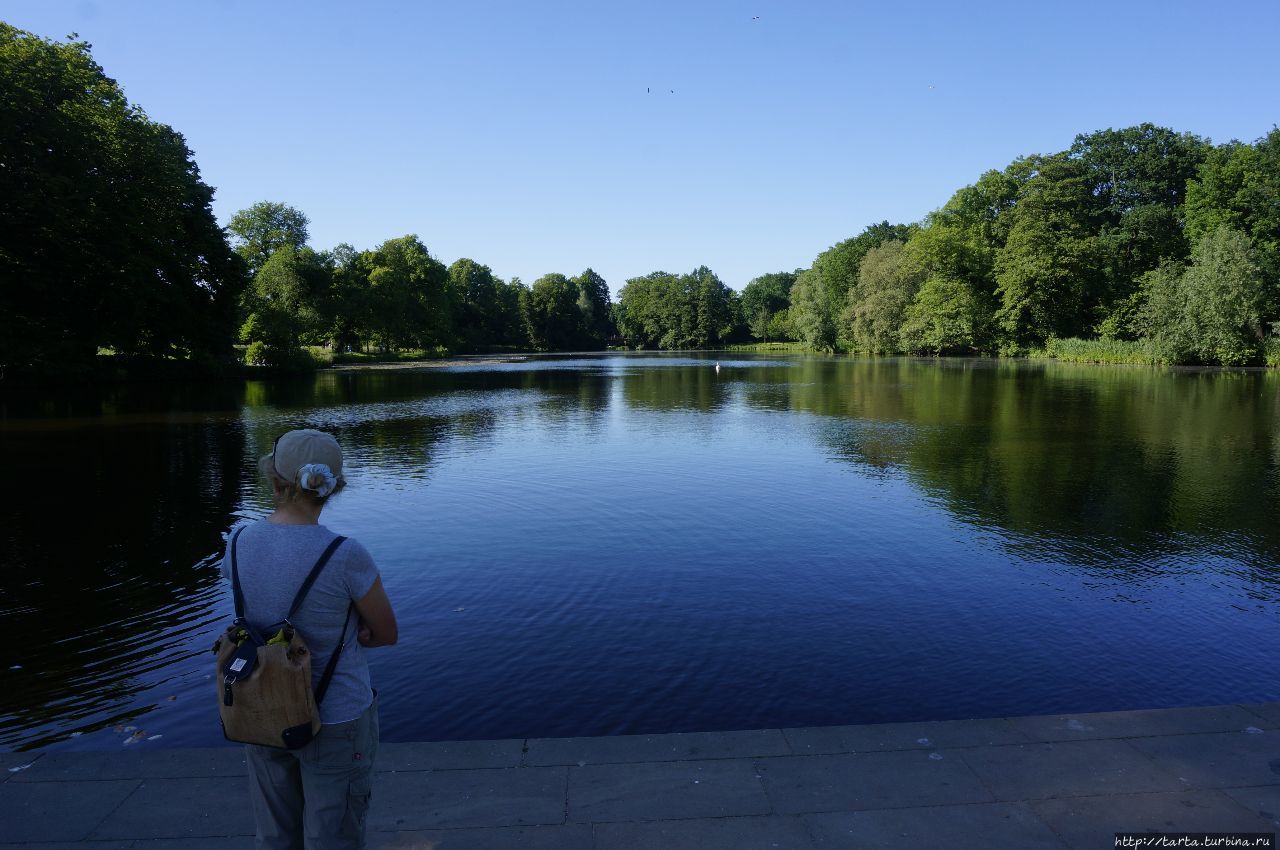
(765, 297)
(551, 313)
(1211, 313)
(1239, 186)
(595, 318)
(819, 294)
(662, 310)
(347, 312)
(511, 328)
(265, 228)
(1048, 272)
(1139, 177)
(946, 317)
(876, 305)
(107, 235)
(284, 306)
(409, 302)
(478, 315)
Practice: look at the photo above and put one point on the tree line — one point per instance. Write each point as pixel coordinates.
(396, 296)
(1141, 237)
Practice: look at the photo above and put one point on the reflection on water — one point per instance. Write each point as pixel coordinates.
(593, 545)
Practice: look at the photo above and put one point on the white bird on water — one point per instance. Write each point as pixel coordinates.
(717, 365)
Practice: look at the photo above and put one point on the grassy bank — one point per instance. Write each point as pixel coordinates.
(324, 357)
(1122, 352)
(796, 347)
(1115, 351)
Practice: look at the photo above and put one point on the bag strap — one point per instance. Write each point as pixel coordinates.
(333, 659)
(329, 668)
(313, 575)
(236, 593)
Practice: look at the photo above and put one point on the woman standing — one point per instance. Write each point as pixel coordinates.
(316, 796)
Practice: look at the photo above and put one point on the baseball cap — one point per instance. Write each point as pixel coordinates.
(295, 449)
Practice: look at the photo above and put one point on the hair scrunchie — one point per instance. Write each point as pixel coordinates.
(325, 487)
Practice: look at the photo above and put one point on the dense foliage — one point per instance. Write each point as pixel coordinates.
(107, 236)
(1134, 243)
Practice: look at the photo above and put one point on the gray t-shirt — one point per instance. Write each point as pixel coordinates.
(273, 561)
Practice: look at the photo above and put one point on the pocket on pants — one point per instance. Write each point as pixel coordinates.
(359, 794)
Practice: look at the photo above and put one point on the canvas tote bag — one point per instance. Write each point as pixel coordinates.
(264, 681)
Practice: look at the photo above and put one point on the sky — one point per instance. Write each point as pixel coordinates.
(637, 137)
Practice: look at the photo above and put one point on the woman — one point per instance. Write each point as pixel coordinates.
(316, 796)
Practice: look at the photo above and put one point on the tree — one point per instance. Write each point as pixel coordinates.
(595, 319)
(1211, 313)
(1239, 186)
(409, 304)
(765, 297)
(284, 306)
(1048, 270)
(876, 305)
(107, 234)
(265, 228)
(819, 294)
(551, 313)
(474, 292)
(945, 317)
(676, 311)
(1139, 177)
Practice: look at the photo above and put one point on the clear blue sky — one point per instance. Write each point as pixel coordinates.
(521, 135)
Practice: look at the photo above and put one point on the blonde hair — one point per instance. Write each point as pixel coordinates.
(290, 491)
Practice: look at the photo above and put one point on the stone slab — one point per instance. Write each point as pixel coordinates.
(1067, 769)
(449, 755)
(151, 764)
(71, 845)
(180, 808)
(1268, 712)
(67, 811)
(237, 842)
(1263, 800)
(1131, 724)
(681, 746)
(1221, 760)
(423, 800)
(665, 790)
(980, 826)
(746, 833)
(1087, 823)
(902, 736)
(849, 782)
(573, 836)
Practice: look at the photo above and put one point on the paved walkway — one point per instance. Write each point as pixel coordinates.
(1025, 783)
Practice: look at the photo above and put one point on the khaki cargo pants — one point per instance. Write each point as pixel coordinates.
(316, 797)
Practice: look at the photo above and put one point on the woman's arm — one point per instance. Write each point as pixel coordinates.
(377, 621)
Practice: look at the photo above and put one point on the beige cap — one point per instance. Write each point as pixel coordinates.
(295, 449)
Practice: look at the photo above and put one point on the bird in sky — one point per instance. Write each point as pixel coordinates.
(755, 17)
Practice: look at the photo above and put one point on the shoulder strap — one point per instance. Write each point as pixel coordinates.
(236, 592)
(313, 575)
(323, 685)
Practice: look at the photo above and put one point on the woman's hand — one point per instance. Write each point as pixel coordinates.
(363, 634)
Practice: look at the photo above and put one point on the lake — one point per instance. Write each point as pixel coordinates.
(610, 544)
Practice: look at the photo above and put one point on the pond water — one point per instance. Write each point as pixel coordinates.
(609, 544)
